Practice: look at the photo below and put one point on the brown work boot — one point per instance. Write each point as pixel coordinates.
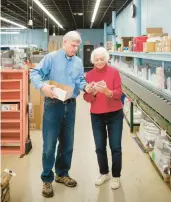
(66, 180)
(47, 189)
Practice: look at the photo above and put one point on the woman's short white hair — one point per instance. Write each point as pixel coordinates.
(72, 36)
(97, 51)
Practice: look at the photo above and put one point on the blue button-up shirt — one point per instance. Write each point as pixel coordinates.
(57, 66)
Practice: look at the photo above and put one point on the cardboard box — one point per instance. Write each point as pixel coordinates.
(166, 38)
(154, 30)
(34, 95)
(125, 41)
(167, 49)
(63, 92)
(149, 47)
(9, 107)
(38, 115)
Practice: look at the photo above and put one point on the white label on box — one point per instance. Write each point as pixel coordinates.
(5, 107)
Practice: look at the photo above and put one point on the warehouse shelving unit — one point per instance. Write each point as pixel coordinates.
(153, 101)
(14, 122)
(159, 56)
(145, 93)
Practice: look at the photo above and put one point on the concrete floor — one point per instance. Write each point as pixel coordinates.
(139, 183)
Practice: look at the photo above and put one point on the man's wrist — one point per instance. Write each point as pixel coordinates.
(84, 89)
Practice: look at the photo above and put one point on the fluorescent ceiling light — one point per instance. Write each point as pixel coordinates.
(47, 12)
(30, 23)
(95, 12)
(13, 23)
(9, 32)
(9, 28)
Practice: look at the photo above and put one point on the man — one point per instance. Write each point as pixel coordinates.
(59, 117)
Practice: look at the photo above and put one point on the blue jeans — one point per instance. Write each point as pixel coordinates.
(58, 124)
(112, 123)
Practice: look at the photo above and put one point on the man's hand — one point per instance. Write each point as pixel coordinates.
(47, 91)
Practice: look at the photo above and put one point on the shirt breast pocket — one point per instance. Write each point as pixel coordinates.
(75, 73)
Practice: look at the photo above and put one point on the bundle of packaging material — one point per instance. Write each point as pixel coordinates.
(109, 45)
(148, 133)
(137, 114)
(157, 41)
(162, 154)
(126, 107)
(160, 77)
(164, 45)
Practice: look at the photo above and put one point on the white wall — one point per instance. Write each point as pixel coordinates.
(125, 24)
(154, 13)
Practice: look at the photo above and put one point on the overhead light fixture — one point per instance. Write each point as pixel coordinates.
(9, 32)
(9, 28)
(13, 23)
(95, 12)
(45, 29)
(48, 13)
(53, 30)
(30, 22)
(80, 14)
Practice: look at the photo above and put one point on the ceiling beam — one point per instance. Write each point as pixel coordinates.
(12, 17)
(105, 12)
(72, 14)
(16, 14)
(59, 11)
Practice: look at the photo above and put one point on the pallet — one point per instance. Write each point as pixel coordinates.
(145, 149)
(165, 177)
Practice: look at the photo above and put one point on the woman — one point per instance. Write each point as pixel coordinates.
(106, 114)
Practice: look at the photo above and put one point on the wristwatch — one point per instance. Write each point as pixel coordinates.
(110, 95)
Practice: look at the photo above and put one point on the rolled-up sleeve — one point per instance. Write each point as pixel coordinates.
(41, 73)
(83, 82)
(88, 97)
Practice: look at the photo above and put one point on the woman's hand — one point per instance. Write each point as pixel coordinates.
(102, 88)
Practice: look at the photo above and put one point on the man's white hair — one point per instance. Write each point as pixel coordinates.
(98, 51)
(72, 36)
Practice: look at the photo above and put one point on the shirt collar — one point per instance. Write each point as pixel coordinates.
(101, 70)
(65, 55)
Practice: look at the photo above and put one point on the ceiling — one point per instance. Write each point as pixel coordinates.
(72, 14)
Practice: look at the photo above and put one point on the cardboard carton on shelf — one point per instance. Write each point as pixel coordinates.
(166, 38)
(156, 31)
(167, 49)
(9, 107)
(125, 41)
(63, 92)
(149, 47)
